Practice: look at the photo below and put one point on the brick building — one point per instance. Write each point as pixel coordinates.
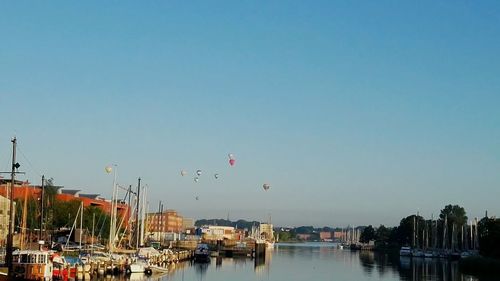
(168, 221)
(24, 189)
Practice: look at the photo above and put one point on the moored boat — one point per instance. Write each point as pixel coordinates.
(405, 251)
(202, 253)
(32, 265)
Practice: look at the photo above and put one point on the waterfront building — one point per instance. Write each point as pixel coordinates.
(168, 221)
(24, 189)
(4, 219)
(325, 235)
(266, 231)
(188, 225)
(215, 232)
(123, 210)
(21, 189)
(339, 235)
(304, 237)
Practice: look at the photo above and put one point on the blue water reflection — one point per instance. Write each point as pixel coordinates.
(317, 261)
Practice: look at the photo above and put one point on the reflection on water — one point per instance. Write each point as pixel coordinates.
(315, 261)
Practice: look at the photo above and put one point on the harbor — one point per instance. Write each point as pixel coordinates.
(250, 140)
(125, 239)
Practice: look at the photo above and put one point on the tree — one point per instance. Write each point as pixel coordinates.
(382, 235)
(489, 237)
(304, 229)
(285, 236)
(456, 218)
(64, 212)
(102, 221)
(50, 191)
(454, 214)
(407, 234)
(367, 235)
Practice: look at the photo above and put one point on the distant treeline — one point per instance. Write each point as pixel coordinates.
(418, 232)
(241, 224)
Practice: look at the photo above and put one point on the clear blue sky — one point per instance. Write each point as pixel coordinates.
(354, 112)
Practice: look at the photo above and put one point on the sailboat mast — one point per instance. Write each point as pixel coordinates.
(112, 226)
(25, 215)
(143, 215)
(137, 213)
(92, 238)
(81, 225)
(413, 236)
(41, 208)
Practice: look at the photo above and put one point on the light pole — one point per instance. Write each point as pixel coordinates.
(9, 247)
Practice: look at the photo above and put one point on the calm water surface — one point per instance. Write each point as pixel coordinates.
(317, 261)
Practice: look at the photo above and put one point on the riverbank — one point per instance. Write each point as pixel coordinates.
(479, 265)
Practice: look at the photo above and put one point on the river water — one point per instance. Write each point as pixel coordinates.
(317, 261)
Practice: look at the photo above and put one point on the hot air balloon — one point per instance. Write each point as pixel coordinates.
(266, 186)
(232, 162)
(183, 173)
(198, 172)
(196, 179)
(230, 155)
(197, 198)
(108, 169)
(216, 176)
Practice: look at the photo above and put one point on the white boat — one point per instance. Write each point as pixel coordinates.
(405, 251)
(32, 265)
(138, 266)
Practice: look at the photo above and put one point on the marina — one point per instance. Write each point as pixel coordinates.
(250, 140)
(315, 261)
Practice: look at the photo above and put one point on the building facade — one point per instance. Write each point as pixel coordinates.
(4, 219)
(168, 221)
(266, 231)
(325, 235)
(214, 232)
(24, 189)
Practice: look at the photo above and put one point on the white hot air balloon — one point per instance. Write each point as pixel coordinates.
(196, 179)
(266, 186)
(230, 155)
(183, 173)
(108, 169)
(216, 176)
(198, 172)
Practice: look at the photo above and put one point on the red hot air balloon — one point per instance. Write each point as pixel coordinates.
(232, 162)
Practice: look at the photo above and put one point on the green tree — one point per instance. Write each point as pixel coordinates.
(101, 223)
(407, 234)
(456, 217)
(489, 237)
(32, 216)
(50, 192)
(64, 212)
(383, 235)
(304, 229)
(285, 236)
(367, 235)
